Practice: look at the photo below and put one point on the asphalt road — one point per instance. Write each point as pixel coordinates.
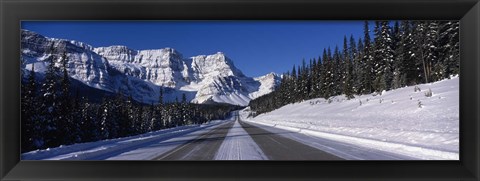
(204, 147)
(274, 146)
(277, 147)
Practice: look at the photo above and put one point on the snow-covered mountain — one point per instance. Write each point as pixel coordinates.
(141, 73)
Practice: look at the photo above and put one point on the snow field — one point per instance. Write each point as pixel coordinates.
(399, 121)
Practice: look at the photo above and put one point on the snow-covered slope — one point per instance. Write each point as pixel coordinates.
(141, 73)
(267, 84)
(400, 121)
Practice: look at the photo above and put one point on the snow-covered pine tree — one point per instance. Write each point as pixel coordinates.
(117, 117)
(448, 50)
(383, 57)
(30, 122)
(175, 113)
(352, 51)
(159, 111)
(418, 32)
(348, 71)
(431, 51)
(87, 124)
(313, 78)
(107, 120)
(359, 68)
(76, 118)
(367, 58)
(65, 117)
(406, 53)
(338, 72)
(185, 111)
(398, 66)
(326, 89)
(121, 115)
(309, 78)
(138, 118)
(48, 112)
(293, 85)
(320, 79)
(303, 78)
(131, 113)
(450, 47)
(153, 118)
(104, 117)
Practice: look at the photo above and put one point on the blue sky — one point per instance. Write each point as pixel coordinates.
(256, 47)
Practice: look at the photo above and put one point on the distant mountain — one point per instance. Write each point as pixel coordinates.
(141, 73)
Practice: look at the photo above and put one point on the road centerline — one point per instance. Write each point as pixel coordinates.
(203, 147)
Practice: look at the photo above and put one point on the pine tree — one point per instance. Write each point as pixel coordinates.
(293, 85)
(159, 119)
(400, 34)
(367, 58)
(319, 82)
(88, 123)
(431, 51)
(104, 115)
(138, 119)
(407, 54)
(185, 111)
(76, 118)
(298, 85)
(315, 79)
(30, 122)
(65, 117)
(122, 117)
(450, 47)
(359, 68)
(348, 68)
(440, 68)
(327, 75)
(130, 111)
(352, 52)
(383, 57)
(49, 104)
(338, 72)
(418, 47)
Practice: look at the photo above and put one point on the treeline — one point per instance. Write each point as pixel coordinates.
(407, 53)
(51, 115)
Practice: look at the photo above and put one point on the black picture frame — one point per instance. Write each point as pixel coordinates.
(13, 11)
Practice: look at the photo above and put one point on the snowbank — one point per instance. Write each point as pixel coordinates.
(400, 121)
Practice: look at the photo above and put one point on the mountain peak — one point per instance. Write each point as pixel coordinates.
(141, 73)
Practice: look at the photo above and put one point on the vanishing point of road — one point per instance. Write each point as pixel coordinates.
(274, 146)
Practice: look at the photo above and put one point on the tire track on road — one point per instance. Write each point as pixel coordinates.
(277, 147)
(203, 147)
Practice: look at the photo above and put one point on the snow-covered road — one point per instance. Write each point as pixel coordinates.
(238, 145)
(220, 140)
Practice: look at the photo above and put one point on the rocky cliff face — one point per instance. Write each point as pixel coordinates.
(141, 73)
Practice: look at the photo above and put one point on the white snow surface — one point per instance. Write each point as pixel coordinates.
(392, 122)
(140, 147)
(238, 145)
